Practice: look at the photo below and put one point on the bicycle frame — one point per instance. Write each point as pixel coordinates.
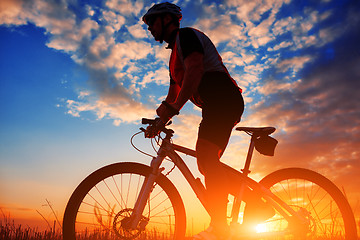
(168, 149)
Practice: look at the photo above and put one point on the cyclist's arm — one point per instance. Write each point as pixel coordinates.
(192, 76)
(194, 69)
(173, 93)
(163, 111)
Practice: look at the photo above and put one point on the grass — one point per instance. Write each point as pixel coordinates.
(11, 231)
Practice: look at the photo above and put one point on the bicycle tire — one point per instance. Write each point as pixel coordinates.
(319, 200)
(98, 205)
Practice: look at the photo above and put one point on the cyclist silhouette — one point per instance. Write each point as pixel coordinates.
(198, 74)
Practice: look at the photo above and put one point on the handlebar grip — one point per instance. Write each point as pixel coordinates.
(152, 121)
(147, 121)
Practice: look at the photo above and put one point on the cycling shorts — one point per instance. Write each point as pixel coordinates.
(222, 107)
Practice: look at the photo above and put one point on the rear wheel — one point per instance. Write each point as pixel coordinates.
(317, 199)
(101, 205)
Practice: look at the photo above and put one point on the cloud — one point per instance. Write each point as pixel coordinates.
(11, 12)
(216, 31)
(111, 56)
(60, 23)
(68, 38)
(160, 77)
(129, 50)
(115, 74)
(186, 127)
(111, 42)
(275, 86)
(92, 42)
(137, 30)
(110, 106)
(252, 11)
(318, 117)
(295, 63)
(113, 20)
(280, 46)
(125, 7)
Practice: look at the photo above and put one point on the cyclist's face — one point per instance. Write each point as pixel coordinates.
(155, 27)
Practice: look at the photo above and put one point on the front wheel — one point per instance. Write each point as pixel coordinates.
(104, 201)
(317, 199)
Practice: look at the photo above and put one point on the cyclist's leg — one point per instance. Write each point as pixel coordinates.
(214, 133)
(221, 111)
(208, 155)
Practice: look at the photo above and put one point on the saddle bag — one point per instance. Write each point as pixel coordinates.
(265, 145)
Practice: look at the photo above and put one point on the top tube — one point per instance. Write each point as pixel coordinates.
(185, 150)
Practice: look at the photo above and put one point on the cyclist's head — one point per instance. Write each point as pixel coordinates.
(161, 10)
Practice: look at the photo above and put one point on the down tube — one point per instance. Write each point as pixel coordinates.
(195, 184)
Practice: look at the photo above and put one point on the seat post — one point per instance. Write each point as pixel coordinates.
(239, 196)
(246, 169)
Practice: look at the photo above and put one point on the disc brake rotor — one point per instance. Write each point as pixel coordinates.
(121, 222)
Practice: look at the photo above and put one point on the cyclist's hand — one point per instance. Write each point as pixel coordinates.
(166, 111)
(154, 129)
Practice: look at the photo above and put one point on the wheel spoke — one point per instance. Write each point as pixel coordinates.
(105, 205)
(316, 199)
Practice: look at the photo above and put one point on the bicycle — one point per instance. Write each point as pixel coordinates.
(129, 200)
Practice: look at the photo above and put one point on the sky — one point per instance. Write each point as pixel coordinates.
(76, 77)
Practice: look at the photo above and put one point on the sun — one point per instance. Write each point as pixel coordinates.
(260, 228)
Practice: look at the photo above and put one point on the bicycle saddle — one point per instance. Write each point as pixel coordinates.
(257, 130)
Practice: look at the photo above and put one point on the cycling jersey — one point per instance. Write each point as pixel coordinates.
(187, 41)
(218, 94)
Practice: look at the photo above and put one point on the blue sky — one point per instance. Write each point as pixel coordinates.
(77, 76)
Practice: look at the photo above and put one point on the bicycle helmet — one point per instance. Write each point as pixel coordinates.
(163, 8)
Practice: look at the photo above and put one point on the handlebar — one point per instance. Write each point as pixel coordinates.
(156, 126)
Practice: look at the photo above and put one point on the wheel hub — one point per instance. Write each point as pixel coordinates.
(121, 225)
(304, 228)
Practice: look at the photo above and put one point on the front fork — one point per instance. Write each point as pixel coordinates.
(145, 191)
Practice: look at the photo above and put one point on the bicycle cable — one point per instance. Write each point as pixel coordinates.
(153, 146)
(147, 154)
(137, 149)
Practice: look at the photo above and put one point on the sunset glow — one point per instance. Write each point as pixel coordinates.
(76, 77)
